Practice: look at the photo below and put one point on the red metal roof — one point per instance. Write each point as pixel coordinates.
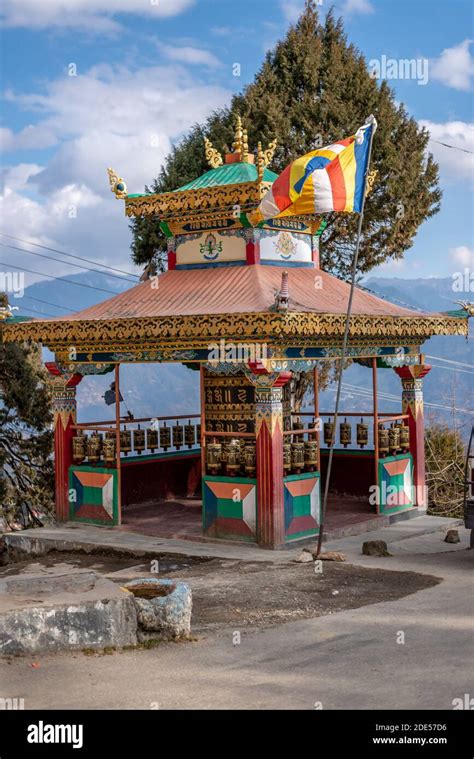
(237, 289)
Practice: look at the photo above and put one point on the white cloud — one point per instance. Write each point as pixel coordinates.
(463, 256)
(357, 6)
(188, 54)
(454, 164)
(94, 15)
(292, 10)
(105, 117)
(454, 67)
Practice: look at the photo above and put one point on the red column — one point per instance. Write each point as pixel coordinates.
(412, 404)
(269, 432)
(252, 248)
(63, 390)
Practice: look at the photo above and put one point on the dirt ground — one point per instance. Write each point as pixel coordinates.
(239, 594)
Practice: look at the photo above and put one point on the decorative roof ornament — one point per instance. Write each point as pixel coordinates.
(467, 306)
(371, 177)
(117, 184)
(213, 157)
(240, 144)
(7, 311)
(283, 297)
(264, 157)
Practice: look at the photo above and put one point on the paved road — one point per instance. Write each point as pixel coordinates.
(348, 660)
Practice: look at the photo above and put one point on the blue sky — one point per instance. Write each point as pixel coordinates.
(145, 70)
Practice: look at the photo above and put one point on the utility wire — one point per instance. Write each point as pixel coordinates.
(69, 255)
(48, 303)
(453, 147)
(34, 311)
(59, 279)
(65, 263)
(450, 361)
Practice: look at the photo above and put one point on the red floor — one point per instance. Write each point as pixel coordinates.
(182, 519)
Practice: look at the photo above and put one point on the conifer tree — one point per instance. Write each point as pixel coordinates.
(315, 87)
(26, 470)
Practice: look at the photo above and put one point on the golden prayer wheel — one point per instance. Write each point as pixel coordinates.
(287, 457)
(178, 436)
(311, 455)
(94, 447)
(152, 439)
(232, 456)
(345, 433)
(384, 443)
(79, 447)
(125, 441)
(362, 434)
(139, 440)
(109, 449)
(189, 434)
(213, 457)
(198, 434)
(297, 457)
(250, 458)
(404, 438)
(328, 433)
(394, 439)
(165, 437)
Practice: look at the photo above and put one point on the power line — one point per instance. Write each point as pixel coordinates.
(453, 147)
(450, 361)
(451, 369)
(65, 263)
(59, 279)
(69, 255)
(34, 311)
(48, 303)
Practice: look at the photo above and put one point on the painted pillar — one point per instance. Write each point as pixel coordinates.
(252, 242)
(63, 390)
(412, 404)
(269, 446)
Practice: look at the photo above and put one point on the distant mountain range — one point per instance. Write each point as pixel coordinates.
(166, 389)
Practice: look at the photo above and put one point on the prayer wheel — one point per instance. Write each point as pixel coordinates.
(198, 434)
(189, 434)
(152, 439)
(125, 441)
(345, 433)
(250, 459)
(165, 437)
(178, 436)
(214, 457)
(328, 433)
(383, 441)
(297, 457)
(404, 438)
(109, 449)
(394, 439)
(232, 457)
(139, 440)
(287, 457)
(310, 455)
(94, 447)
(362, 434)
(79, 447)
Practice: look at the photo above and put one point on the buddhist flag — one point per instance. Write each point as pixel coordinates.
(327, 179)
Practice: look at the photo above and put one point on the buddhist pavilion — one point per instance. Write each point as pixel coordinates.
(246, 307)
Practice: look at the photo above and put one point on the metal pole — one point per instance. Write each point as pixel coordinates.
(376, 425)
(203, 421)
(343, 351)
(117, 442)
(316, 413)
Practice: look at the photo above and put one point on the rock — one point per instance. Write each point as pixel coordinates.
(163, 607)
(452, 536)
(330, 556)
(375, 548)
(304, 557)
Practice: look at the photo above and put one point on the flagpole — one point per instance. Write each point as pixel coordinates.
(344, 349)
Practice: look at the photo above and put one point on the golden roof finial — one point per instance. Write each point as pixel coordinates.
(240, 144)
(264, 157)
(213, 157)
(117, 184)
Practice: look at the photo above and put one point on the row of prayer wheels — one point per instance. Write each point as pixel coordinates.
(393, 440)
(233, 457)
(299, 456)
(96, 448)
(345, 433)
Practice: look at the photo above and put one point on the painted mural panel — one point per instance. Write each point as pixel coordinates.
(285, 247)
(210, 248)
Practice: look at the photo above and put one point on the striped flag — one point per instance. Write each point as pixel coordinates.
(327, 179)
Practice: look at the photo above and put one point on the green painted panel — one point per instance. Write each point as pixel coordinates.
(228, 508)
(301, 506)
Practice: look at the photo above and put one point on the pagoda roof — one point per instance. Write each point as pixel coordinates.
(231, 173)
(193, 306)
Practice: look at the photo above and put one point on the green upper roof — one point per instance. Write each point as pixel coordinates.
(229, 173)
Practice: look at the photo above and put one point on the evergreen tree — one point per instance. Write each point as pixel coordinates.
(314, 87)
(26, 469)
